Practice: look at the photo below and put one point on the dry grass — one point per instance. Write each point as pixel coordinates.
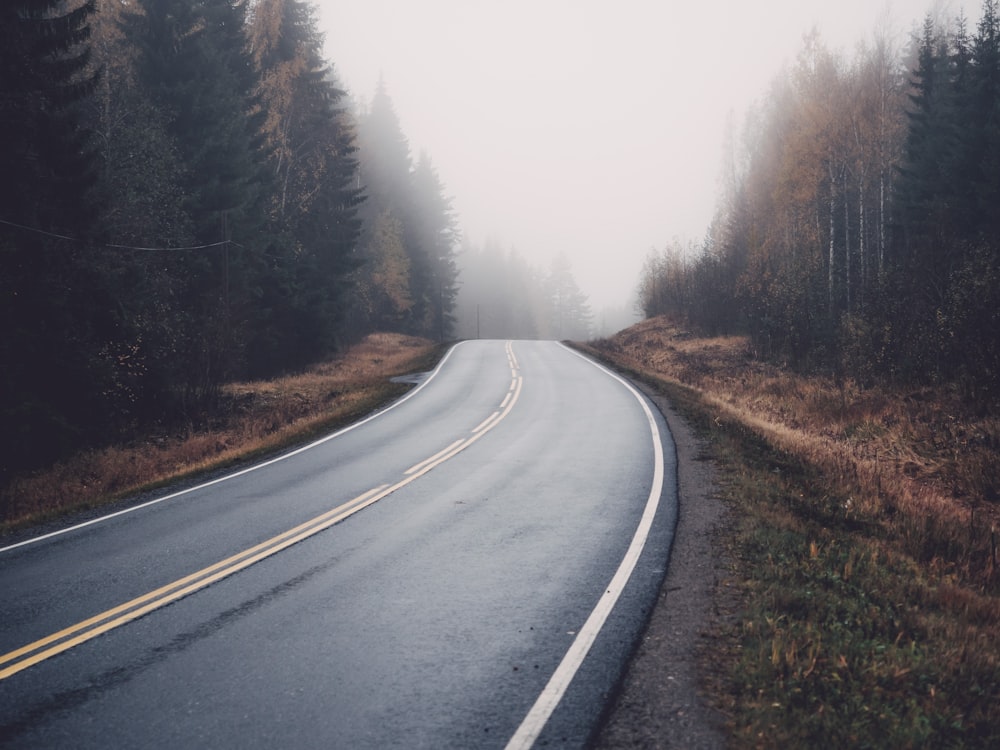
(864, 530)
(924, 464)
(258, 418)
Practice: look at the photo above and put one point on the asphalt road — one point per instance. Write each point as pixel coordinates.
(469, 568)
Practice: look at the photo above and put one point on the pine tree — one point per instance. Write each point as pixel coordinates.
(925, 205)
(960, 165)
(313, 202)
(985, 110)
(570, 315)
(969, 316)
(46, 368)
(386, 177)
(195, 64)
(44, 74)
(948, 200)
(142, 205)
(435, 274)
(387, 290)
(386, 165)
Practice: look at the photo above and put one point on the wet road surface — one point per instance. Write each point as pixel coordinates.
(469, 568)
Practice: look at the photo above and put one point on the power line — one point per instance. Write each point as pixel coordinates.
(170, 249)
(116, 246)
(39, 231)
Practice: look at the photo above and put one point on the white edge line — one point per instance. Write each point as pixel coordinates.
(240, 473)
(532, 725)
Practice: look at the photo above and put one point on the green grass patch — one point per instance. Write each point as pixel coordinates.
(844, 641)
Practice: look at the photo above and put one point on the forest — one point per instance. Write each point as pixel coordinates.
(190, 199)
(503, 295)
(858, 229)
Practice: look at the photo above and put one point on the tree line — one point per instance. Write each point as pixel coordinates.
(503, 295)
(859, 226)
(187, 199)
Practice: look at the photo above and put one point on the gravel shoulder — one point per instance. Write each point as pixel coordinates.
(660, 704)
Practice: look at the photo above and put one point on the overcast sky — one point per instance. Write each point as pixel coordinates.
(593, 128)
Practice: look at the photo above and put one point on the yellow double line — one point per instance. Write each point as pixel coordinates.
(481, 429)
(83, 631)
(27, 656)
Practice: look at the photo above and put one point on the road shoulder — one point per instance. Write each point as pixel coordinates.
(660, 703)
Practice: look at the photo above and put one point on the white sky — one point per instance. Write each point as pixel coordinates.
(593, 127)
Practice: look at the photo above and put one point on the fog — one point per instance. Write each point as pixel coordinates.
(588, 128)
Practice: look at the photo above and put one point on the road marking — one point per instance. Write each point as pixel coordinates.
(485, 422)
(74, 635)
(247, 470)
(433, 458)
(132, 610)
(532, 725)
(511, 356)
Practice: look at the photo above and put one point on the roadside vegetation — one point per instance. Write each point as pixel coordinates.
(252, 419)
(863, 538)
(850, 390)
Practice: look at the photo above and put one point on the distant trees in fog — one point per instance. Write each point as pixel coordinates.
(408, 277)
(503, 296)
(859, 228)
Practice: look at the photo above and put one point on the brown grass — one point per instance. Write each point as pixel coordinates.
(257, 418)
(862, 538)
(924, 464)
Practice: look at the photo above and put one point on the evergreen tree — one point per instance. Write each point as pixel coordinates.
(47, 373)
(961, 166)
(197, 68)
(985, 111)
(194, 62)
(141, 197)
(385, 289)
(415, 196)
(385, 175)
(386, 165)
(570, 316)
(967, 318)
(140, 178)
(313, 203)
(44, 74)
(435, 274)
(929, 151)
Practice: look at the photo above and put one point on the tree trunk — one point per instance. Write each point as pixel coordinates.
(862, 246)
(832, 257)
(847, 242)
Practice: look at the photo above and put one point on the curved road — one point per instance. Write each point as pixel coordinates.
(468, 568)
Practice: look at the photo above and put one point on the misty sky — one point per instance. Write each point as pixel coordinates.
(593, 128)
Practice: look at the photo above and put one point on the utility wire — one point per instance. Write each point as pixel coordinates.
(38, 231)
(120, 247)
(169, 249)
